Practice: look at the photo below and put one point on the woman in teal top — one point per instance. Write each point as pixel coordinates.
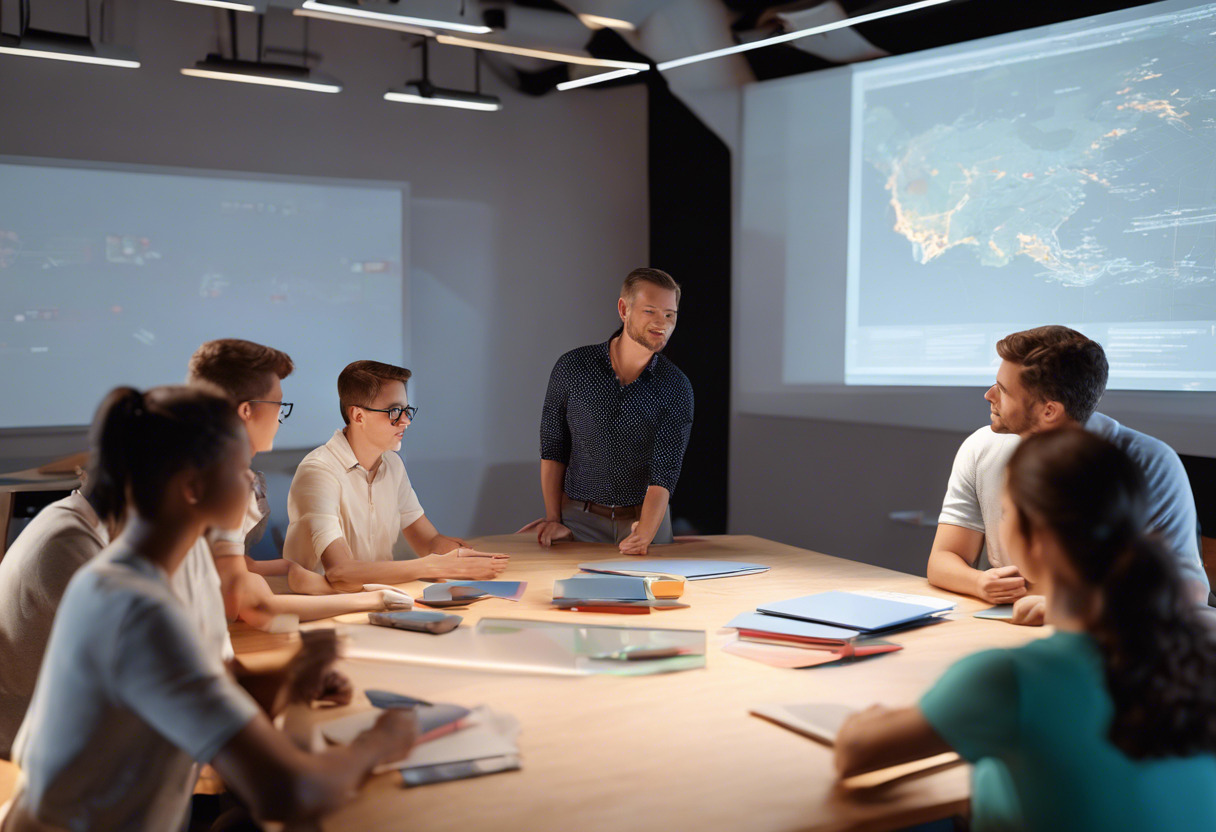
(1108, 724)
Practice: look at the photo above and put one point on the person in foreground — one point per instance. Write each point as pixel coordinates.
(128, 699)
(614, 427)
(1049, 377)
(252, 375)
(351, 498)
(1110, 723)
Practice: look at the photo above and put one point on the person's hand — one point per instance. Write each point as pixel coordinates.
(1030, 611)
(468, 565)
(637, 543)
(548, 532)
(310, 673)
(442, 544)
(397, 729)
(1002, 585)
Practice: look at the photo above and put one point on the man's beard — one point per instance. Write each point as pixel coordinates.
(639, 336)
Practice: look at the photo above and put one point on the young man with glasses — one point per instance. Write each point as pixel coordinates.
(351, 497)
(614, 428)
(252, 375)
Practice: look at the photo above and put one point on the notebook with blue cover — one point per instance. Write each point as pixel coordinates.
(859, 611)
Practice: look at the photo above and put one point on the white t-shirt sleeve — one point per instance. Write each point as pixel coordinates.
(407, 502)
(313, 513)
(961, 506)
(159, 672)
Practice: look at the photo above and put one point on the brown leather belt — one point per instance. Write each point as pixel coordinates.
(611, 512)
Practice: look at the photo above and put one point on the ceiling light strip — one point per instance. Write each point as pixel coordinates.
(410, 98)
(801, 33)
(544, 54)
(244, 78)
(385, 17)
(358, 21)
(223, 4)
(596, 79)
(29, 52)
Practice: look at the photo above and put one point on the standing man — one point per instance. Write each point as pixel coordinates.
(1050, 377)
(615, 426)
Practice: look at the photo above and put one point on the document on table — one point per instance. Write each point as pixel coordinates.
(687, 568)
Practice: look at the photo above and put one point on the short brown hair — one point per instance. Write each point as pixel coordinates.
(655, 277)
(1059, 365)
(360, 383)
(238, 367)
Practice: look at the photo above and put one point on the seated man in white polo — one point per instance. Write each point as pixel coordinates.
(351, 497)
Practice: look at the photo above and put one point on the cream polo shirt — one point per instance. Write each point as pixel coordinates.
(332, 496)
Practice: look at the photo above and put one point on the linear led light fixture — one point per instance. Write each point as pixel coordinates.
(256, 6)
(36, 43)
(422, 93)
(545, 54)
(595, 79)
(373, 18)
(359, 21)
(801, 33)
(599, 21)
(255, 72)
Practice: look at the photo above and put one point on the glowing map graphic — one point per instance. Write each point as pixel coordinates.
(1094, 166)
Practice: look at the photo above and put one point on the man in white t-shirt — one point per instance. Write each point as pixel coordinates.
(1050, 377)
(351, 498)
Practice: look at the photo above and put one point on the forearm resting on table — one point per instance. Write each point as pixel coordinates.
(954, 551)
(346, 574)
(654, 510)
(881, 737)
(552, 487)
(280, 782)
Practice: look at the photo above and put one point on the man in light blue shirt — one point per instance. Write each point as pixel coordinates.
(1050, 377)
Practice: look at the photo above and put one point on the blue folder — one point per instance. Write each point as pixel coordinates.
(856, 611)
(790, 627)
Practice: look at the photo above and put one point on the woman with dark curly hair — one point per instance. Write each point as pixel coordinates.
(1110, 723)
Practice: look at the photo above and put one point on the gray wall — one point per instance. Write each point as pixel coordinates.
(830, 486)
(523, 222)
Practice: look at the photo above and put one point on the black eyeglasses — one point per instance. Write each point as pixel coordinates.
(395, 413)
(284, 407)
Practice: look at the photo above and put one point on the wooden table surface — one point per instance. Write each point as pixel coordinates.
(676, 751)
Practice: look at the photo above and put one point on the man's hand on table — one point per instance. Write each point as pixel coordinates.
(467, 565)
(638, 543)
(1001, 585)
(547, 531)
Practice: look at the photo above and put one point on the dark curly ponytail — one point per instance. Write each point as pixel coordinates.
(139, 441)
(1160, 658)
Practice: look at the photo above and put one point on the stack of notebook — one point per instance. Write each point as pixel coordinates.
(453, 742)
(610, 593)
(838, 624)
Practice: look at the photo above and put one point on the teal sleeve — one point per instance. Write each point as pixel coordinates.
(974, 706)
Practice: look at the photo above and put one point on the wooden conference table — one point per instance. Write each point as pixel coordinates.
(676, 751)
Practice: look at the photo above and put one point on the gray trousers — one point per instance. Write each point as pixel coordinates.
(592, 528)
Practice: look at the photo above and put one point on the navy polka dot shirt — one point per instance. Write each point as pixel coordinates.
(615, 441)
